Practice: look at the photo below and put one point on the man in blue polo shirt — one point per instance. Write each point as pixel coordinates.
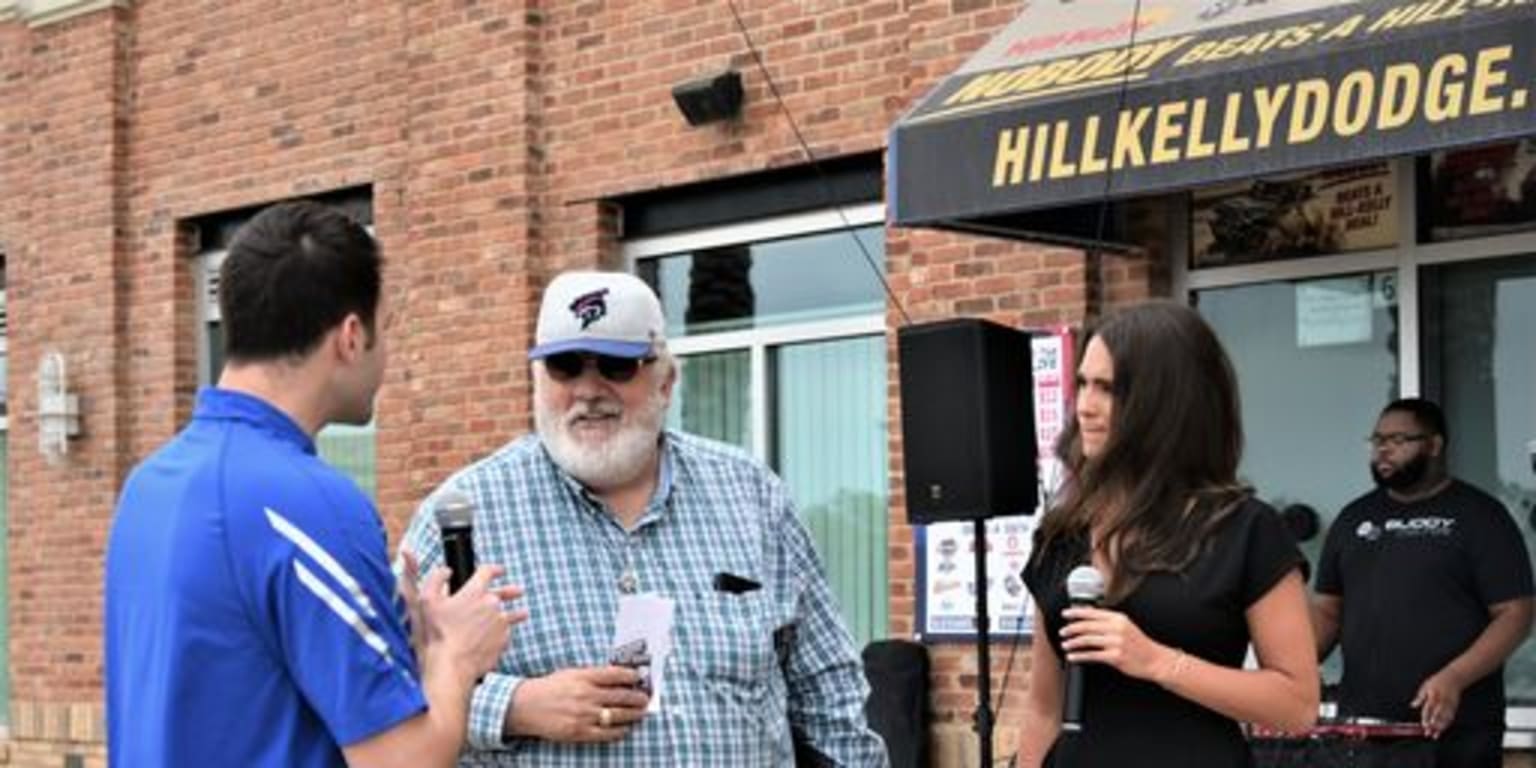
(251, 613)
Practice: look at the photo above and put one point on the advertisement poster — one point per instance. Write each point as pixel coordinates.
(1488, 190)
(1334, 311)
(946, 566)
(1294, 216)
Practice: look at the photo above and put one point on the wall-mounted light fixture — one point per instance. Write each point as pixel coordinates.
(58, 410)
(708, 99)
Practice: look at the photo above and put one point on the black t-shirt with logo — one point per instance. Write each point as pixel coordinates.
(1203, 610)
(1415, 582)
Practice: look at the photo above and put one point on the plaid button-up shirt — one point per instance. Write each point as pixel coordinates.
(744, 667)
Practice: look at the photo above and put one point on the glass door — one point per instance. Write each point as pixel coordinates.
(1316, 359)
(1479, 358)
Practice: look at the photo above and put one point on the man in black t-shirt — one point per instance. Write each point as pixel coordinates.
(1426, 584)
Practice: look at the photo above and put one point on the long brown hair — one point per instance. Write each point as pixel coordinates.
(1169, 467)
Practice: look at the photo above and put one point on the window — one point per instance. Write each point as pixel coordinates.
(1315, 360)
(1310, 355)
(1442, 307)
(1316, 213)
(351, 449)
(1480, 356)
(779, 325)
(1481, 191)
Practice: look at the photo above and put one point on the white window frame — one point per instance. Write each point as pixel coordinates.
(207, 266)
(1405, 259)
(758, 341)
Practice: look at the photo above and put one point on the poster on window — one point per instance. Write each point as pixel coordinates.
(1334, 311)
(946, 565)
(1295, 216)
(1482, 191)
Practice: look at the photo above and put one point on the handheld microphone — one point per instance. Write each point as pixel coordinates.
(1085, 586)
(455, 519)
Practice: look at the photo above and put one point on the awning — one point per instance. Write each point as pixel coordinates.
(1060, 109)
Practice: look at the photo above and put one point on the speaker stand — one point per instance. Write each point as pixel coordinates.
(983, 648)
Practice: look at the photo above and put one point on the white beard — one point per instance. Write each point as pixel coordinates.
(607, 462)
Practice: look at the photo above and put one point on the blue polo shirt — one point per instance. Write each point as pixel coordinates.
(251, 614)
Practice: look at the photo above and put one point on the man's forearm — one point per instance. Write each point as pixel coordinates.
(447, 713)
(1325, 629)
(1510, 626)
(1327, 636)
(827, 688)
(431, 738)
(826, 712)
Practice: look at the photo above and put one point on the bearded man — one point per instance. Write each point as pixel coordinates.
(601, 507)
(1426, 584)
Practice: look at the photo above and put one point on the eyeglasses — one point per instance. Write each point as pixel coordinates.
(566, 366)
(1395, 439)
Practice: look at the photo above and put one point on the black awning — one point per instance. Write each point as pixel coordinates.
(1213, 90)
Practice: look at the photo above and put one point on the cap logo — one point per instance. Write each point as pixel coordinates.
(590, 307)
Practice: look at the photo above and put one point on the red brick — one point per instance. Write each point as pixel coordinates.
(487, 132)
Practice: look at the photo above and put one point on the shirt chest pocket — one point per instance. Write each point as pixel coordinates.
(728, 638)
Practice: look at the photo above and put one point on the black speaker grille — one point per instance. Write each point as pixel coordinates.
(968, 420)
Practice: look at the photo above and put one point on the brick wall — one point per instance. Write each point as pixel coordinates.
(15, 71)
(490, 131)
(64, 257)
(227, 118)
(471, 239)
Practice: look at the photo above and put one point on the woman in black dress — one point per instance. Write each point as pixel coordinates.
(1196, 568)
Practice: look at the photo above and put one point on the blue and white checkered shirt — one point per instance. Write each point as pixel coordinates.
(732, 692)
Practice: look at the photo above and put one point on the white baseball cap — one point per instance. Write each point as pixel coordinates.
(604, 313)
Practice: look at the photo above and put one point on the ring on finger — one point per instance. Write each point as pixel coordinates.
(605, 717)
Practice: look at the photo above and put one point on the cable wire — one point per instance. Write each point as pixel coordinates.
(821, 174)
(1103, 217)
(1097, 249)
(1109, 173)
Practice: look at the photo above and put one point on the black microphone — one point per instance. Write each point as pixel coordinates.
(1085, 586)
(456, 520)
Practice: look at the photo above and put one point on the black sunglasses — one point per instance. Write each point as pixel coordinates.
(619, 370)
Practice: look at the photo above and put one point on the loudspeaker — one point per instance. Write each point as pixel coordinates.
(897, 708)
(709, 99)
(967, 421)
